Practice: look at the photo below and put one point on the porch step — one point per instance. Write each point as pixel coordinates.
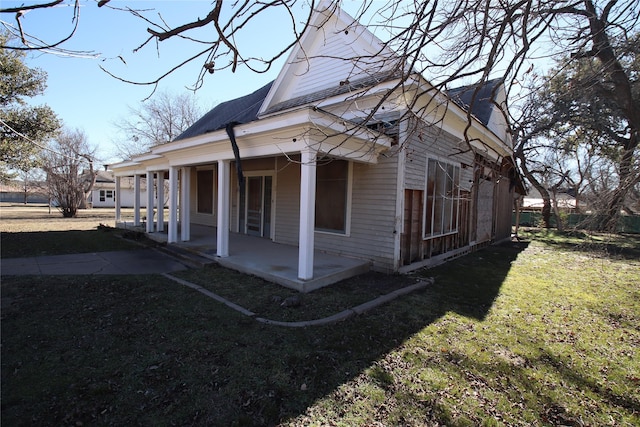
(190, 258)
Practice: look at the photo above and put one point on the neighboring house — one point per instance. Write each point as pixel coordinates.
(566, 202)
(103, 194)
(14, 192)
(324, 169)
(104, 191)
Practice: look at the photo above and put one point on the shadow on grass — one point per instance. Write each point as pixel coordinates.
(620, 246)
(143, 351)
(38, 243)
(469, 285)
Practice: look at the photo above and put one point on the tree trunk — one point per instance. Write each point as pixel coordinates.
(91, 182)
(517, 206)
(622, 94)
(556, 212)
(546, 206)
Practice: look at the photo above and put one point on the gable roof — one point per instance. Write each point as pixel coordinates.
(335, 55)
(344, 87)
(105, 176)
(239, 110)
(246, 108)
(482, 104)
(334, 35)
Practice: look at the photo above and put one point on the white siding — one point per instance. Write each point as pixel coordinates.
(287, 201)
(327, 72)
(126, 193)
(430, 142)
(337, 51)
(373, 213)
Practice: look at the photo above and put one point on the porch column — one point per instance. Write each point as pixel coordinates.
(307, 214)
(173, 205)
(118, 204)
(149, 202)
(160, 203)
(185, 205)
(136, 200)
(222, 247)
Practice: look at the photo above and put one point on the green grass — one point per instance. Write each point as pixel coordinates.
(545, 333)
(266, 299)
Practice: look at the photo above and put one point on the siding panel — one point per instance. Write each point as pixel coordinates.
(373, 204)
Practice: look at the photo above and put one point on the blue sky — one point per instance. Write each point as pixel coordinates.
(87, 98)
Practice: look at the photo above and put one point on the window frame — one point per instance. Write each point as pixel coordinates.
(348, 200)
(214, 193)
(448, 185)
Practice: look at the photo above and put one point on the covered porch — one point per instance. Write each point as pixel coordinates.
(275, 262)
(285, 194)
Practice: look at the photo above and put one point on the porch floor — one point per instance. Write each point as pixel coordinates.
(275, 262)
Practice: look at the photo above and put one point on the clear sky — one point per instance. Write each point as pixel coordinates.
(87, 98)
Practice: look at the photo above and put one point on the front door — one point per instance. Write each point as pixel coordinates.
(257, 212)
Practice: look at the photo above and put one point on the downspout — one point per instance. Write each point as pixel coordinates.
(236, 153)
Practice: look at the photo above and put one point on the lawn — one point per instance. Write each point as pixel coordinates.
(32, 230)
(542, 332)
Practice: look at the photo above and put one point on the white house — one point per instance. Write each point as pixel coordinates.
(343, 153)
(103, 194)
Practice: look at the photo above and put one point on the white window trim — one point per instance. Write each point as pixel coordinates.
(263, 172)
(347, 220)
(426, 195)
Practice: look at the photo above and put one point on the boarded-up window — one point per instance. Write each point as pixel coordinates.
(411, 237)
(442, 202)
(205, 191)
(331, 196)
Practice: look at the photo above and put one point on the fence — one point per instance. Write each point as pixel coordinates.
(626, 224)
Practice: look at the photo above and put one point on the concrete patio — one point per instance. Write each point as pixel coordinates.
(275, 262)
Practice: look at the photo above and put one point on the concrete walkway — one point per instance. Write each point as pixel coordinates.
(137, 261)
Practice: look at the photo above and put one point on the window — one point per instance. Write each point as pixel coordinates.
(109, 194)
(205, 191)
(331, 196)
(102, 195)
(442, 199)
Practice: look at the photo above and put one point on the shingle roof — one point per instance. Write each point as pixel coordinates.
(240, 110)
(245, 109)
(339, 89)
(482, 105)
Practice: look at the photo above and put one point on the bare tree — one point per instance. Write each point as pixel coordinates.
(156, 121)
(466, 40)
(449, 43)
(69, 165)
(574, 123)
